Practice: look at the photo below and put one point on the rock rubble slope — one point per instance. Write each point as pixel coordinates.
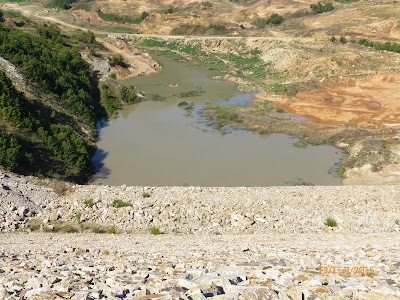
(216, 243)
(222, 210)
(88, 266)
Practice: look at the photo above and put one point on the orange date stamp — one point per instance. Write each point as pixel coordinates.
(347, 270)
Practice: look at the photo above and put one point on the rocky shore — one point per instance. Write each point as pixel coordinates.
(207, 243)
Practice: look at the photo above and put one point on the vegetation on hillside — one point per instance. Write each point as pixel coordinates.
(56, 69)
(49, 130)
(386, 46)
(274, 19)
(196, 29)
(110, 17)
(33, 140)
(320, 8)
(62, 4)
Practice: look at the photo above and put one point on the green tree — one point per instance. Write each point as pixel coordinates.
(144, 15)
(128, 95)
(275, 19)
(320, 8)
(117, 59)
(10, 150)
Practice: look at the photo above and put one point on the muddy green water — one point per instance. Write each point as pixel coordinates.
(155, 143)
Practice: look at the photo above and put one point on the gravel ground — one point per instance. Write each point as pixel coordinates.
(301, 266)
(215, 243)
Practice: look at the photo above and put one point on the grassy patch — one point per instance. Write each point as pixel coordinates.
(300, 144)
(61, 227)
(111, 230)
(155, 230)
(119, 203)
(98, 229)
(330, 222)
(153, 43)
(157, 97)
(346, 165)
(146, 195)
(193, 93)
(171, 55)
(226, 113)
(78, 218)
(279, 88)
(89, 203)
(34, 225)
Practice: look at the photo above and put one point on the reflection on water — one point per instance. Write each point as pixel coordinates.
(155, 143)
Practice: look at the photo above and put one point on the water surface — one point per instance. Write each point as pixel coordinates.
(156, 143)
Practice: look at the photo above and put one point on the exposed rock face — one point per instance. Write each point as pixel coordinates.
(10, 69)
(101, 66)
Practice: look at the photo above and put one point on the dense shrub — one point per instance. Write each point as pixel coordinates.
(51, 32)
(128, 94)
(387, 46)
(274, 19)
(110, 17)
(86, 37)
(117, 60)
(62, 4)
(320, 8)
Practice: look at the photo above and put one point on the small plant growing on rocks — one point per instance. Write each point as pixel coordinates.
(155, 230)
(330, 222)
(34, 225)
(78, 218)
(69, 229)
(89, 203)
(146, 195)
(97, 229)
(111, 230)
(119, 203)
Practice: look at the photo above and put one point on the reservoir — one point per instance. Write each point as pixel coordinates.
(156, 143)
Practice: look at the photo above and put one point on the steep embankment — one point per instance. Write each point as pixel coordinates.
(297, 209)
(235, 243)
(49, 105)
